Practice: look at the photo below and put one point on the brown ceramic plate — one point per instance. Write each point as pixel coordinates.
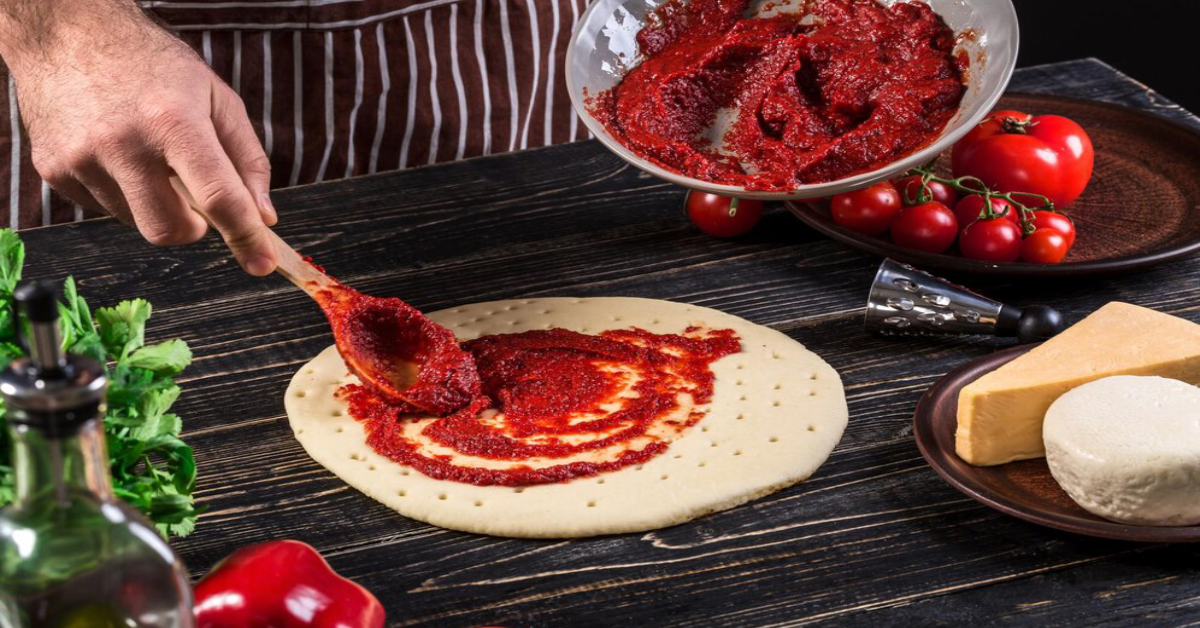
(1023, 489)
(1141, 207)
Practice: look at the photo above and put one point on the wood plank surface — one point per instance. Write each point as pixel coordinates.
(874, 537)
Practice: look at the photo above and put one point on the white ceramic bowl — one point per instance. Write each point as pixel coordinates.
(603, 46)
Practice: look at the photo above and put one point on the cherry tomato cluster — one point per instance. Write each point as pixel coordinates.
(926, 213)
(1011, 171)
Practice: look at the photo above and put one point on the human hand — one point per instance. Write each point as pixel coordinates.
(114, 105)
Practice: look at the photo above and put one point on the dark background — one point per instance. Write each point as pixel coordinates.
(1156, 42)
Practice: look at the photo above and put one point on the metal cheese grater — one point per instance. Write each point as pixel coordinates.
(911, 302)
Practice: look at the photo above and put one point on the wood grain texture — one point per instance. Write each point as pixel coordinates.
(875, 537)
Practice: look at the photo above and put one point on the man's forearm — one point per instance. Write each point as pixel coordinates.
(30, 30)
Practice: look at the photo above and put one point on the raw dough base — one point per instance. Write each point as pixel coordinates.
(776, 413)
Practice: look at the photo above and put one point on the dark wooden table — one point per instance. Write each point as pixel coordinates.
(874, 538)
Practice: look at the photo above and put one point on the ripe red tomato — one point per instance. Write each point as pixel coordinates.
(969, 208)
(1048, 155)
(910, 190)
(718, 216)
(1045, 246)
(929, 227)
(868, 211)
(993, 240)
(1053, 220)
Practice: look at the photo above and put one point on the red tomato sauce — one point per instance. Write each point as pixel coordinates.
(853, 88)
(561, 394)
(391, 337)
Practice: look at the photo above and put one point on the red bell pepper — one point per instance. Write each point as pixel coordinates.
(282, 584)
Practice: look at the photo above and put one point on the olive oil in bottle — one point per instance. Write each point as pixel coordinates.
(71, 555)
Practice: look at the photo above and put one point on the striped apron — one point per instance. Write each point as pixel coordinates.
(338, 88)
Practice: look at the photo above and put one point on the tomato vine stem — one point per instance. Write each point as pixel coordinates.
(975, 185)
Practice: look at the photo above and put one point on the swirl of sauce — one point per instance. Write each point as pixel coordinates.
(555, 405)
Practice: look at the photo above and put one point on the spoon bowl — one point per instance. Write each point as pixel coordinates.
(403, 357)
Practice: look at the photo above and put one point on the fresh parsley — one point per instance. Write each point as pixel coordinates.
(152, 469)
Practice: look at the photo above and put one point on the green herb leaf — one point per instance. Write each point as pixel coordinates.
(163, 424)
(183, 527)
(165, 358)
(128, 385)
(152, 469)
(90, 346)
(78, 307)
(123, 328)
(12, 259)
(7, 330)
(6, 481)
(9, 351)
(169, 507)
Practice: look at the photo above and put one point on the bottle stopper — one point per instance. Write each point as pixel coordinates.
(50, 389)
(909, 302)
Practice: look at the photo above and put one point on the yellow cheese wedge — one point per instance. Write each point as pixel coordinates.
(1000, 414)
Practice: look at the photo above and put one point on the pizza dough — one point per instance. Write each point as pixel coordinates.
(776, 413)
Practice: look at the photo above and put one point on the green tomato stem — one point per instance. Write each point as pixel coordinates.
(1015, 125)
(974, 185)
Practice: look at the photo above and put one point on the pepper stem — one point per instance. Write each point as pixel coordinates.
(733, 205)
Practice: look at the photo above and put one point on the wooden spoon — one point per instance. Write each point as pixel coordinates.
(389, 373)
(402, 356)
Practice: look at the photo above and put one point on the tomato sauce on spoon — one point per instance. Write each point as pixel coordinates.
(402, 356)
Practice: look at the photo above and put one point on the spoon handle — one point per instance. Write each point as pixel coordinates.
(290, 263)
(297, 269)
